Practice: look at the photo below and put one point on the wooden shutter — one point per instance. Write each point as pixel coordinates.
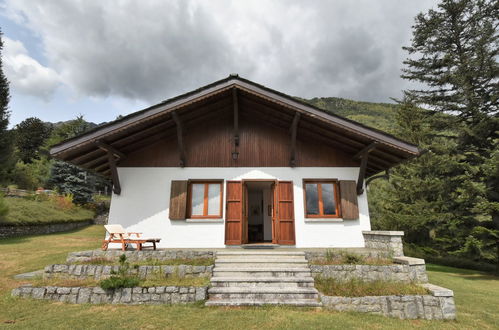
(178, 200)
(349, 204)
(234, 213)
(285, 213)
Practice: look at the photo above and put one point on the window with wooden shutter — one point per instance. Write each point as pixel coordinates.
(178, 200)
(349, 203)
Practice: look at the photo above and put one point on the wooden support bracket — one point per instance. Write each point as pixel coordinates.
(363, 155)
(293, 129)
(386, 176)
(114, 173)
(180, 140)
(236, 116)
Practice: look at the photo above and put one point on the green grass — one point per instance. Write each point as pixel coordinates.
(355, 288)
(24, 211)
(477, 298)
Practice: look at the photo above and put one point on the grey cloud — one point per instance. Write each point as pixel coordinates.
(151, 50)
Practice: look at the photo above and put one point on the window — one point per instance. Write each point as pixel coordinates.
(205, 199)
(321, 198)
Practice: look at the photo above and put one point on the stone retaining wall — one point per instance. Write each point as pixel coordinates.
(390, 241)
(370, 273)
(23, 230)
(102, 271)
(134, 296)
(85, 256)
(435, 306)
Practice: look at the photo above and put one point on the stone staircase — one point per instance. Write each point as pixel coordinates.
(255, 278)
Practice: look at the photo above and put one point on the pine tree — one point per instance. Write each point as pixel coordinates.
(5, 136)
(454, 54)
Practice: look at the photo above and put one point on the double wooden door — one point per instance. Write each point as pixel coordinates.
(236, 213)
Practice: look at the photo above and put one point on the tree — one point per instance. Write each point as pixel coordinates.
(453, 56)
(5, 136)
(30, 134)
(69, 179)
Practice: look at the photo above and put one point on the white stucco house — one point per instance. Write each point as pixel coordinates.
(236, 163)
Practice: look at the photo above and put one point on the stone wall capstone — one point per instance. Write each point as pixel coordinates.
(86, 256)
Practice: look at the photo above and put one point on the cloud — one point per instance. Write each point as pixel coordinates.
(27, 75)
(152, 50)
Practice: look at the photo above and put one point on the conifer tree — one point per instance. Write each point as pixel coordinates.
(453, 56)
(5, 136)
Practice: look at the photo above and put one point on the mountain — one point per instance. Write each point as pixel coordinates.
(376, 115)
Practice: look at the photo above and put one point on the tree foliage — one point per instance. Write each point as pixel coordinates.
(5, 135)
(447, 200)
(30, 134)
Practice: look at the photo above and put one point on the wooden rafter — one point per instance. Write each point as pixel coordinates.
(110, 149)
(293, 129)
(366, 150)
(180, 139)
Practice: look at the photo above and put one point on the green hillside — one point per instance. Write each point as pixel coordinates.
(376, 115)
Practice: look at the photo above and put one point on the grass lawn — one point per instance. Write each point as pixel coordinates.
(477, 298)
(27, 211)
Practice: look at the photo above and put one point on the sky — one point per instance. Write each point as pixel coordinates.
(101, 59)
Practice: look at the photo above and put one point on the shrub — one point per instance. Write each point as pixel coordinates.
(63, 202)
(121, 279)
(351, 258)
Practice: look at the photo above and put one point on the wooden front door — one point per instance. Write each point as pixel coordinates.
(234, 213)
(284, 223)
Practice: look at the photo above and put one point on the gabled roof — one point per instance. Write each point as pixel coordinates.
(83, 150)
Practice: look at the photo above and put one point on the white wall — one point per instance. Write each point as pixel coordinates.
(143, 206)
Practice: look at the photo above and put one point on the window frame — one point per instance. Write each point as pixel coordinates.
(205, 201)
(337, 199)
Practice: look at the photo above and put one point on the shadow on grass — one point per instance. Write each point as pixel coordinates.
(464, 273)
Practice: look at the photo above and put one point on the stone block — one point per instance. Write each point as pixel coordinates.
(201, 293)
(84, 296)
(98, 290)
(63, 290)
(126, 295)
(171, 289)
(160, 289)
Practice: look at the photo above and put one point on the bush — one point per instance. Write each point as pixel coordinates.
(4, 209)
(352, 259)
(121, 279)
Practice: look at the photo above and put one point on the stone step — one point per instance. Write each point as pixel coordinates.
(262, 260)
(262, 293)
(261, 272)
(262, 281)
(262, 302)
(260, 253)
(275, 265)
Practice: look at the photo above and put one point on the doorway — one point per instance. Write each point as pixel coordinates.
(259, 210)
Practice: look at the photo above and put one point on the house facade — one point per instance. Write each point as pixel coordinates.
(237, 163)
